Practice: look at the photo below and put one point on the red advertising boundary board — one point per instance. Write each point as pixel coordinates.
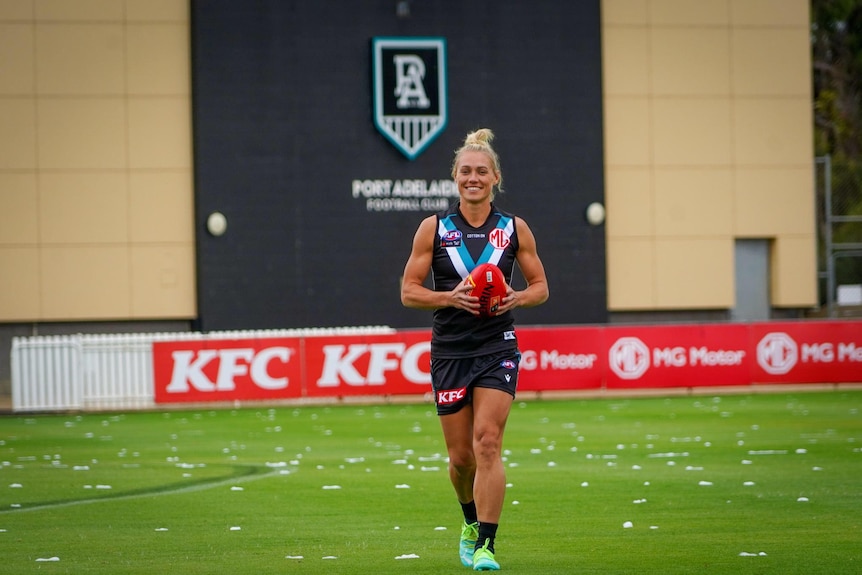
(553, 359)
(193, 371)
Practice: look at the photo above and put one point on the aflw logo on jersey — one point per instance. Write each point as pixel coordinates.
(409, 91)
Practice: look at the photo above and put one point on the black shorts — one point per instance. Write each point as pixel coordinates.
(453, 380)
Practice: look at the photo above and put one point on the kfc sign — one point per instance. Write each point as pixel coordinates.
(373, 364)
(226, 370)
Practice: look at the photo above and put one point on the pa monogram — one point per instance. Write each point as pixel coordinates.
(410, 107)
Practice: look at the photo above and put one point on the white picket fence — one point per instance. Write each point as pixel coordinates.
(98, 372)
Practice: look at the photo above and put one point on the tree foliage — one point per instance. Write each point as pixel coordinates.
(836, 39)
(836, 50)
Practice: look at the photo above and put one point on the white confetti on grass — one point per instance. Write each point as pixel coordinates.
(331, 487)
(236, 528)
(48, 559)
(748, 554)
(628, 525)
(294, 557)
(802, 500)
(161, 529)
(402, 486)
(408, 556)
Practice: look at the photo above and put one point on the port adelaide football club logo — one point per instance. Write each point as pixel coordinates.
(409, 91)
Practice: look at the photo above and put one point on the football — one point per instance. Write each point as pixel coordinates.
(489, 286)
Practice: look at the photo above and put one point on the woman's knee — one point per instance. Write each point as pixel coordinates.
(488, 441)
(462, 460)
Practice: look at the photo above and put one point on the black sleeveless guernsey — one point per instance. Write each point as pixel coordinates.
(458, 249)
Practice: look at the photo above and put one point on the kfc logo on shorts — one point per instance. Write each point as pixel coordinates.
(450, 396)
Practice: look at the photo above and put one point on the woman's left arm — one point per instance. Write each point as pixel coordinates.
(536, 292)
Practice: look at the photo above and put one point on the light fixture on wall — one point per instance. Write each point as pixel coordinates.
(216, 224)
(402, 9)
(595, 214)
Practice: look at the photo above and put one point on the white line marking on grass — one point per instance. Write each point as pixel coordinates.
(177, 491)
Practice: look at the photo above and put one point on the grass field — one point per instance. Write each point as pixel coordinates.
(725, 484)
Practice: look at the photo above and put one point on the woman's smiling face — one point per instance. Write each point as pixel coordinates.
(475, 176)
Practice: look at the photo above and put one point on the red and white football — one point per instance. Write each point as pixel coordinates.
(489, 285)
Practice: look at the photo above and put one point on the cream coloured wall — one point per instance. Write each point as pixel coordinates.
(708, 138)
(96, 200)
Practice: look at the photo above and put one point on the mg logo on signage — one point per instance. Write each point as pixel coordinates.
(777, 353)
(409, 91)
(628, 358)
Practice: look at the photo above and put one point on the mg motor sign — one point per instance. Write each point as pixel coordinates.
(410, 107)
(561, 359)
(677, 356)
(807, 352)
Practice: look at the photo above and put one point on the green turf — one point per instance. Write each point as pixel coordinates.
(701, 479)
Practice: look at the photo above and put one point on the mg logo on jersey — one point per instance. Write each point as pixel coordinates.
(777, 353)
(409, 91)
(629, 358)
(498, 238)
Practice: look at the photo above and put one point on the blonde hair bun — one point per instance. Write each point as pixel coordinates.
(480, 141)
